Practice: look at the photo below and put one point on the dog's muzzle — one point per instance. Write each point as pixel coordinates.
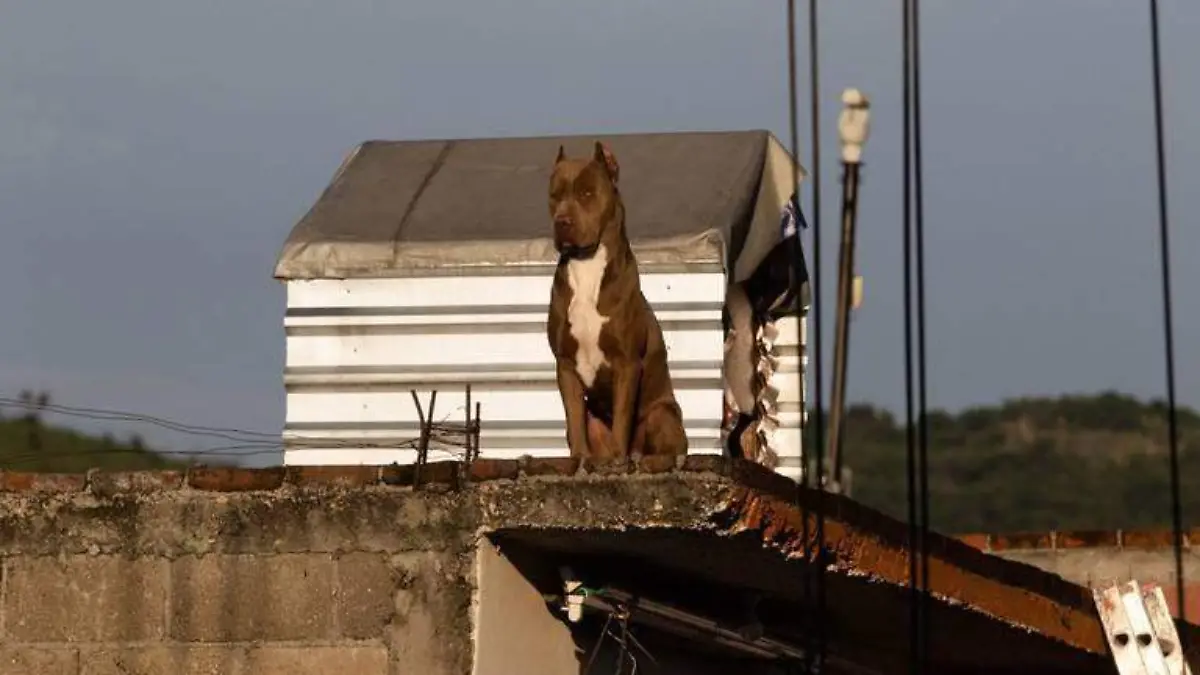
(575, 252)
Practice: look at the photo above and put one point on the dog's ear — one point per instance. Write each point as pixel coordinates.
(606, 159)
(562, 154)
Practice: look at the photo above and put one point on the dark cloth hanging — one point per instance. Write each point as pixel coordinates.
(771, 285)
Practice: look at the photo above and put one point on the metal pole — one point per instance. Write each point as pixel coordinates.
(853, 128)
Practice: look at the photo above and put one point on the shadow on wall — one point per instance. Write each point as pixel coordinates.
(605, 649)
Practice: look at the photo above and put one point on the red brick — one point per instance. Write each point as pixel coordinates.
(1087, 539)
(19, 481)
(551, 466)
(123, 482)
(432, 474)
(493, 469)
(976, 541)
(1147, 539)
(441, 474)
(400, 475)
(332, 476)
(1191, 599)
(656, 464)
(224, 479)
(1022, 541)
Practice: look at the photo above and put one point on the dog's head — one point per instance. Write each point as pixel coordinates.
(583, 201)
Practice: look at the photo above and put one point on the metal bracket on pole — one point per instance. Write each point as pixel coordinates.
(1140, 631)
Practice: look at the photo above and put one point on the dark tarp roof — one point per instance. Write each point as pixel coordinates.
(396, 208)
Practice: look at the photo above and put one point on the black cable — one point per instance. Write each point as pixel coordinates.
(797, 252)
(252, 449)
(815, 645)
(1168, 320)
(118, 415)
(818, 326)
(914, 624)
(922, 369)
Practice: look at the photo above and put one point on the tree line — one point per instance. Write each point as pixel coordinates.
(1094, 462)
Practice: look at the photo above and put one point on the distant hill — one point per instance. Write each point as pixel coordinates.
(1074, 462)
(55, 449)
(27, 443)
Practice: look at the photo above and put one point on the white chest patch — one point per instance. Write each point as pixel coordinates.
(584, 277)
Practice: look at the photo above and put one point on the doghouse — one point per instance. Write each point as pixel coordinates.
(426, 266)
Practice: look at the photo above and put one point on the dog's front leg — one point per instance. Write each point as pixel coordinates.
(627, 374)
(575, 407)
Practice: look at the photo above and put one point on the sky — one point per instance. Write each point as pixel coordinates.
(154, 156)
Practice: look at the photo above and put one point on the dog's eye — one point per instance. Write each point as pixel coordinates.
(587, 194)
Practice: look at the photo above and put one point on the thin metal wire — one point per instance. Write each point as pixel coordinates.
(815, 628)
(922, 369)
(818, 327)
(1164, 242)
(914, 624)
(599, 644)
(119, 415)
(797, 251)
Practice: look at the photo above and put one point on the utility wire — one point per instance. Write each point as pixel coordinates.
(797, 251)
(117, 415)
(233, 451)
(1164, 242)
(818, 558)
(915, 624)
(245, 443)
(922, 366)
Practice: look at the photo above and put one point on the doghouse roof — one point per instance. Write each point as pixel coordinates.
(397, 208)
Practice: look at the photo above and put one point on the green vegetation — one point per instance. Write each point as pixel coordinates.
(1075, 462)
(27, 443)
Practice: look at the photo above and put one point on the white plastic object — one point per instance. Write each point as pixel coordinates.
(1141, 634)
(854, 124)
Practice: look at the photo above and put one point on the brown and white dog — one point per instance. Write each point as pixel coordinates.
(612, 362)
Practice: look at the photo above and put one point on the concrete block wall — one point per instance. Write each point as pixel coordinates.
(233, 571)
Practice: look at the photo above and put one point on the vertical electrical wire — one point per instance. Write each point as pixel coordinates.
(813, 566)
(1164, 243)
(914, 624)
(797, 252)
(922, 369)
(818, 325)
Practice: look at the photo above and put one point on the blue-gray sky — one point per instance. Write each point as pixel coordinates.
(153, 156)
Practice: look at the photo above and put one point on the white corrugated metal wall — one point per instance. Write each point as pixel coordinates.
(357, 347)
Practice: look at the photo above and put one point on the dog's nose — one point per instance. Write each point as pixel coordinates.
(562, 222)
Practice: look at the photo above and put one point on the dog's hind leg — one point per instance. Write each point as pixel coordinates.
(660, 431)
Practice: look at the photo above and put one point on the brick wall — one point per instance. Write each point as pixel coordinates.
(1095, 558)
(233, 571)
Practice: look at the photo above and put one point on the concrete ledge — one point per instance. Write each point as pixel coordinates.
(319, 553)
